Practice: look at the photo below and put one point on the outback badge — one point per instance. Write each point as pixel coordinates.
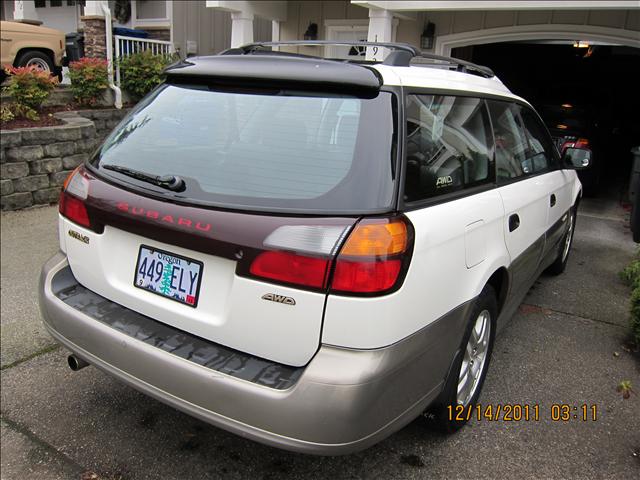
(79, 236)
(272, 297)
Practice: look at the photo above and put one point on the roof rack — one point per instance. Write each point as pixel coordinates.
(400, 56)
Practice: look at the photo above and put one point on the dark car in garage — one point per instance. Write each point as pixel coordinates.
(574, 126)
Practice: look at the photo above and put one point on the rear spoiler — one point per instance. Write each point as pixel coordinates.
(277, 72)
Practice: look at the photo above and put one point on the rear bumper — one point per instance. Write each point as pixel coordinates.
(342, 401)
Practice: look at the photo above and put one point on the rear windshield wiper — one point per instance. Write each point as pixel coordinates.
(170, 182)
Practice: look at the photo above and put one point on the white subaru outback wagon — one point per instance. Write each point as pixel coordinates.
(309, 252)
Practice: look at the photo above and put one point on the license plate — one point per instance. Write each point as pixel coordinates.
(168, 275)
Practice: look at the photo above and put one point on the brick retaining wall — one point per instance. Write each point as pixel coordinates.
(34, 162)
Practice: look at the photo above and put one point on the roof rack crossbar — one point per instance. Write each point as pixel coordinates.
(248, 48)
(401, 53)
(462, 65)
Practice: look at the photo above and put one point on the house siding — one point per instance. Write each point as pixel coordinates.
(301, 14)
(208, 27)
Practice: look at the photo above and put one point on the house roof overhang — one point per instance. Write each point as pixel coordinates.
(451, 5)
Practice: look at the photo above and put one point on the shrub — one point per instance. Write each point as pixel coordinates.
(6, 113)
(89, 77)
(631, 274)
(29, 87)
(142, 72)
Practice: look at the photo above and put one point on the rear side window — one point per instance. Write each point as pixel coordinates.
(287, 151)
(541, 154)
(448, 145)
(511, 143)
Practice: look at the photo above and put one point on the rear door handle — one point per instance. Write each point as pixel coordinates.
(552, 201)
(514, 222)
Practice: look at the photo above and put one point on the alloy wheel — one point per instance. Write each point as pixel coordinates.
(475, 357)
(568, 237)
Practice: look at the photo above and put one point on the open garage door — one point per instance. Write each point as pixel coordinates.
(584, 91)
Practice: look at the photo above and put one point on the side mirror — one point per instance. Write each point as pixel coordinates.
(577, 158)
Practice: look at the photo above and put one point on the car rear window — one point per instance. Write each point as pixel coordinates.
(283, 151)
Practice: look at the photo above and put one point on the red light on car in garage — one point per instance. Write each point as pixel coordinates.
(582, 143)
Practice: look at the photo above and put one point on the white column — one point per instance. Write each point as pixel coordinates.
(275, 33)
(380, 30)
(241, 28)
(24, 10)
(169, 11)
(93, 8)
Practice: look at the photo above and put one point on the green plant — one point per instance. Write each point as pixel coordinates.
(29, 87)
(625, 389)
(635, 315)
(631, 275)
(6, 113)
(142, 72)
(89, 78)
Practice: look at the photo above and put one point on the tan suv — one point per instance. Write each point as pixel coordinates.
(24, 44)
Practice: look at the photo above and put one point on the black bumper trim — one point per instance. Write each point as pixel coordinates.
(177, 342)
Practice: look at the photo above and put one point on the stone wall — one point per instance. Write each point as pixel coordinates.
(34, 162)
(95, 37)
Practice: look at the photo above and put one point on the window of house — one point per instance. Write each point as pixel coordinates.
(40, 3)
(448, 145)
(55, 3)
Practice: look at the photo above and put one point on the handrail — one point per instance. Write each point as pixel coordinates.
(127, 45)
(145, 40)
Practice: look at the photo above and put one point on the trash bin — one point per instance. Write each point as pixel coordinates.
(74, 43)
(130, 32)
(634, 194)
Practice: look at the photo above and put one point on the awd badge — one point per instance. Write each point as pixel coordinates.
(272, 297)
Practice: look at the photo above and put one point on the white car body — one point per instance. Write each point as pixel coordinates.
(460, 245)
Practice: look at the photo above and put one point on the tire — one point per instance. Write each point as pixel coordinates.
(560, 263)
(39, 59)
(483, 316)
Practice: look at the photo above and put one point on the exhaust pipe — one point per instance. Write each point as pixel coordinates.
(76, 363)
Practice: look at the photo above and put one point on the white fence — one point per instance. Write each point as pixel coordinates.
(125, 46)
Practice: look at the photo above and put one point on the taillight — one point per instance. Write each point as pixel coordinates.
(292, 268)
(74, 193)
(579, 143)
(371, 261)
(565, 145)
(582, 143)
(373, 257)
(365, 276)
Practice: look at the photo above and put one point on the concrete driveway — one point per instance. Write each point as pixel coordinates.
(566, 345)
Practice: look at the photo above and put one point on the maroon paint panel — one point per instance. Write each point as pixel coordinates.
(216, 232)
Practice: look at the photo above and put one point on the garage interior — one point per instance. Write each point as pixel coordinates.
(593, 81)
